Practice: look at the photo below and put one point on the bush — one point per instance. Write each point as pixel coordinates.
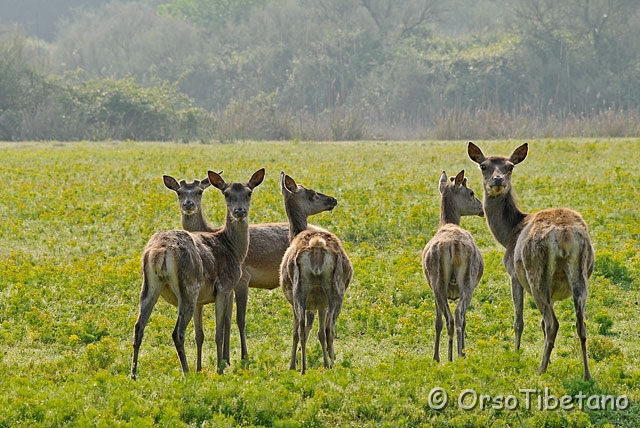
(256, 119)
(121, 109)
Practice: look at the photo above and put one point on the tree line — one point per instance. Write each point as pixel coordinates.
(325, 69)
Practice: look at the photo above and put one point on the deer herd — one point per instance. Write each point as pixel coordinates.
(548, 254)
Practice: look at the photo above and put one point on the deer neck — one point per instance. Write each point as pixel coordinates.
(235, 234)
(297, 220)
(197, 223)
(503, 217)
(449, 212)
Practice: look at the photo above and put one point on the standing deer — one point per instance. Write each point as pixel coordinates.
(451, 261)
(548, 253)
(191, 269)
(315, 271)
(267, 244)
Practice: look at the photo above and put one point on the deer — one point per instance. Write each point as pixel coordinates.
(267, 244)
(451, 260)
(547, 253)
(315, 271)
(191, 269)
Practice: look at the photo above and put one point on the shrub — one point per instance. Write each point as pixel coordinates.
(604, 322)
(601, 348)
(256, 119)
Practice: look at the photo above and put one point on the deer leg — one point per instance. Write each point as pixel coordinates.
(197, 324)
(461, 317)
(299, 308)
(448, 317)
(335, 307)
(242, 297)
(450, 331)
(294, 345)
(186, 309)
(322, 335)
(579, 287)
(436, 352)
(222, 307)
(580, 306)
(442, 305)
(226, 348)
(539, 277)
(518, 306)
(311, 316)
(540, 280)
(148, 299)
(550, 329)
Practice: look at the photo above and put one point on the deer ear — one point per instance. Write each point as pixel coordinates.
(256, 178)
(519, 154)
(170, 182)
(216, 180)
(289, 184)
(205, 183)
(459, 180)
(475, 153)
(443, 182)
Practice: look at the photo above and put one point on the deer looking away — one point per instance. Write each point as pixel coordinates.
(548, 253)
(267, 244)
(451, 261)
(191, 269)
(315, 271)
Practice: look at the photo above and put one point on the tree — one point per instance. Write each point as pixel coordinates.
(126, 39)
(576, 49)
(210, 14)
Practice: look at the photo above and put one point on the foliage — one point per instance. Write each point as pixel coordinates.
(353, 69)
(78, 214)
(258, 119)
(124, 110)
(35, 106)
(566, 63)
(210, 14)
(125, 39)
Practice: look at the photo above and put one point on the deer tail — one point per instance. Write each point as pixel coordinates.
(318, 249)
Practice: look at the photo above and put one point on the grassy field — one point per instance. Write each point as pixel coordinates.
(75, 217)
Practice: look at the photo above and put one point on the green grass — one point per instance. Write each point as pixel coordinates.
(76, 217)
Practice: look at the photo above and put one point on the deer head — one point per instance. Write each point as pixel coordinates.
(237, 195)
(189, 194)
(459, 196)
(306, 201)
(496, 170)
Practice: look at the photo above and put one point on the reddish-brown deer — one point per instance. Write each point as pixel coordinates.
(267, 244)
(548, 253)
(315, 271)
(190, 269)
(451, 261)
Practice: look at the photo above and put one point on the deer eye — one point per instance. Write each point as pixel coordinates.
(471, 193)
(483, 167)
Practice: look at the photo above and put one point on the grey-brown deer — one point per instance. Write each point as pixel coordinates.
(267, 244)
(190, 269)
(451, 261)
(315, 271)
(548, 253)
